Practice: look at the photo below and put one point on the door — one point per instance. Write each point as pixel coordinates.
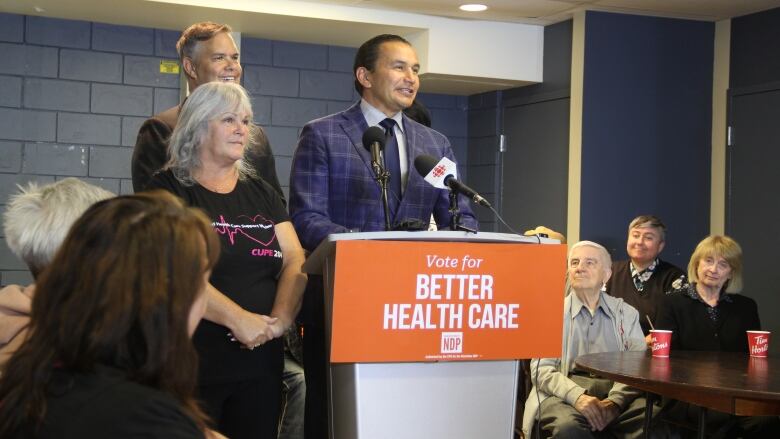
(535, 165)
(753, 198)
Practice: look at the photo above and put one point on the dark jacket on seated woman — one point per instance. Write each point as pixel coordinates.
(708, 315)
(700, 327)
(697, 326)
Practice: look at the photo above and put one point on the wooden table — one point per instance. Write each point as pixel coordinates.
(724, 381)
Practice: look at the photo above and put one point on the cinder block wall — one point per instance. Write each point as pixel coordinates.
(484, 128)
(73, 94)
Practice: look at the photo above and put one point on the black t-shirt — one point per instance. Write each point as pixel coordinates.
(105, 404)
(246, 272)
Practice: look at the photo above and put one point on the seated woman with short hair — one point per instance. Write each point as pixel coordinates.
(708, 314)
(109, 351)
(35, 223)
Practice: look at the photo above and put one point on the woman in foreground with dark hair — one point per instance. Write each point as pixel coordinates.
(109, 352)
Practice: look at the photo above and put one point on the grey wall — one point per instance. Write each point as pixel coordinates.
(449, 115)
(755, 42)
(73, 94)
(751, 204)
(536, 124)
(484, 169)
(72, 97)
(528, 183)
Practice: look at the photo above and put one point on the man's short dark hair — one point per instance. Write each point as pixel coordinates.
(197, 33)
(418, 113)
(653, 221)
(368, 53)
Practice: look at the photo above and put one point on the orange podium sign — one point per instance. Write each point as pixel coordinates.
(398, 301)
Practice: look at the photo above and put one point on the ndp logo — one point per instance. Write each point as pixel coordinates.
(451, 342)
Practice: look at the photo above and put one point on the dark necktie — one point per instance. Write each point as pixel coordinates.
(392, 164)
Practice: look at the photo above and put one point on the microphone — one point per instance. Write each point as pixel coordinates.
(374, 141)
(443, 174)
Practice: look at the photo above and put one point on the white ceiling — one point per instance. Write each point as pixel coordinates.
(552, 11)
(351, 22)
(297, 23)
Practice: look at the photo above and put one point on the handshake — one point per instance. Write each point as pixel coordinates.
(253, 330)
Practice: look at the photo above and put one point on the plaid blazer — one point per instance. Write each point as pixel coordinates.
(332, 186)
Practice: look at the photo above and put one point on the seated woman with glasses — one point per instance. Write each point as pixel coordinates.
(708, 314)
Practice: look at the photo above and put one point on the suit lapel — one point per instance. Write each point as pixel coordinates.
(354, 125)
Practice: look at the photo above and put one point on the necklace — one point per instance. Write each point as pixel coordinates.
(219, 184)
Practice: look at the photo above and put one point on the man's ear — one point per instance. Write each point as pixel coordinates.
(661, 246)
(607, 275)
(363, 76)
(189, 68)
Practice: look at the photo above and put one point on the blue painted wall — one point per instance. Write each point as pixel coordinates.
(646, 129)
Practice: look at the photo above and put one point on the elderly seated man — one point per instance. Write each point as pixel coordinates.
(568, 402)
(36, 221)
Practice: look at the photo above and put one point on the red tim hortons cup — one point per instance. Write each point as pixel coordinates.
(758, 343)
(662, 342)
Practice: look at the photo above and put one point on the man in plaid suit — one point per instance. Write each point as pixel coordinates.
(332, 186)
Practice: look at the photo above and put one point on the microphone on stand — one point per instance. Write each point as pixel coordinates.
(374, 140)
(443, 174)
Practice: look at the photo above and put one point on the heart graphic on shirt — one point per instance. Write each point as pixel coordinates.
(257, 228)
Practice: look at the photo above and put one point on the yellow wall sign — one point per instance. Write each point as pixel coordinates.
(171, 67)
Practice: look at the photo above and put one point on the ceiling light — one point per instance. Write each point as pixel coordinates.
(473, 7)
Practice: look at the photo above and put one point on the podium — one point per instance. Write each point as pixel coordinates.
(424, 329)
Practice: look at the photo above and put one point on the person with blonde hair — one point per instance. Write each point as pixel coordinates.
(255, 289)
(709, 314)
(38, 218)
(35, 223)
(109, 352)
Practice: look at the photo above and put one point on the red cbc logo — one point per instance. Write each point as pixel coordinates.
(438, 171)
